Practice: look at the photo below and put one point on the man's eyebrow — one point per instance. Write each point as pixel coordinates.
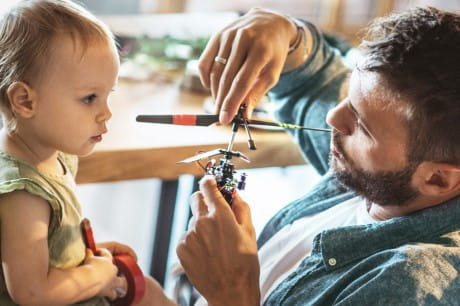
(353, 109)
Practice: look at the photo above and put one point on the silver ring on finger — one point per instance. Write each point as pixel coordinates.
(220, 60)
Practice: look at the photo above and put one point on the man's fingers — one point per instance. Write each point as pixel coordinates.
(191, 225)
(249, 76)
(220, 62)
(207, 57)
(212, 195)
(241, 211)
(207, 60)
(257, 92)
(197, 204)
(235, 61)
(198, 208)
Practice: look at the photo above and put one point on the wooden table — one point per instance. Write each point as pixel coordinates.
(133, 150)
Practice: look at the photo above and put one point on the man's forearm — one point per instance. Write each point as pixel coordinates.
(244, 296)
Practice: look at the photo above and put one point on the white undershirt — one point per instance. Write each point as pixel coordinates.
(282, 253)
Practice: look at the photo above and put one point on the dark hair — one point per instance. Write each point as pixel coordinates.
(417, 53)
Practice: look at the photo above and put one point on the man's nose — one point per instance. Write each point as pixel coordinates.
(339, 118)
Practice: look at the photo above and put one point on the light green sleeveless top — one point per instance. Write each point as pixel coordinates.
(65, 241)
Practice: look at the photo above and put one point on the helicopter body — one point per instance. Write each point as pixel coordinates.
(225, 174)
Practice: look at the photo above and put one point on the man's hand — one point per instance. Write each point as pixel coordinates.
(252, 51)
(219, 251)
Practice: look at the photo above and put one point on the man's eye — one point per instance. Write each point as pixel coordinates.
(89, 99)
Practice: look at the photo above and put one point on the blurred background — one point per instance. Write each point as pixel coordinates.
(160, 41)
(341, 16)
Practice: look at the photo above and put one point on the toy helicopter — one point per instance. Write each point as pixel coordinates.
(223, 171)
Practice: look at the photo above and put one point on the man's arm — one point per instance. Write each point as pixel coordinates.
(304, 96)
(263, 49)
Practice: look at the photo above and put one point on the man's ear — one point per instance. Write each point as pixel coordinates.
(438, 179)
(22, 99)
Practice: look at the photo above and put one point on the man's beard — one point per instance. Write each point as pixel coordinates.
(383, 187)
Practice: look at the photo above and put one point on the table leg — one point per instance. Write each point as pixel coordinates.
(162, 240)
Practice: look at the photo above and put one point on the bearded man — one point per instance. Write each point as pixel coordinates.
(382, 227)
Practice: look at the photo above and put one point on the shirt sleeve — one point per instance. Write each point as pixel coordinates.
(305, 95)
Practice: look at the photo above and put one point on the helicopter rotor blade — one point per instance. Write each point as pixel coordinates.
(184, 119)
(215, 152)
(202, 156)
(241, 156)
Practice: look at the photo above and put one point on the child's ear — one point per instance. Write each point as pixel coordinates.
(21, 98)
(438, 179)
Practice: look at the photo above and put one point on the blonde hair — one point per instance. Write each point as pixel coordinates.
(27, 33)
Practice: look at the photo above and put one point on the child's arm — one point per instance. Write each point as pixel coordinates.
(24, 222)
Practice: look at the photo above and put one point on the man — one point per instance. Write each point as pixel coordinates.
(392, 235)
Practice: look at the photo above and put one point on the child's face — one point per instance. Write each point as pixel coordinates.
(72, 96)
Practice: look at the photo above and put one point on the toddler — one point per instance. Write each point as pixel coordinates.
(58, 65)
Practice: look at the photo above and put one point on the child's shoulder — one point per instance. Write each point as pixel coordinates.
(10, 167)
(14, 168)
(16, 174)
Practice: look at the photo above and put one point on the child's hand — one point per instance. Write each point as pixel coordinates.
(115, 289)
(113, 286)
(117, 248)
